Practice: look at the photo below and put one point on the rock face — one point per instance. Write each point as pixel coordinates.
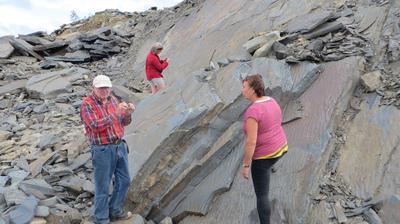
(371, 147)
(305, 152)
(311, 114)
(333, 66)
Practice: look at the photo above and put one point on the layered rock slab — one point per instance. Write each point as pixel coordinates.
(196, 121)
(308, 138)
(368, 161)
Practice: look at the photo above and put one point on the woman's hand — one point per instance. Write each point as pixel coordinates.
(245, 172)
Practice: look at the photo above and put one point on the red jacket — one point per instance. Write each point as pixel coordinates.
(154, 66)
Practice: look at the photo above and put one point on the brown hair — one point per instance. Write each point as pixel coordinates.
(256, 82)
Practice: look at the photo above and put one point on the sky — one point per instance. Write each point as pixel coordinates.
(27, 16)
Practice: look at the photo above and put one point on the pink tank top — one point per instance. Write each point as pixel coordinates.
(270, 136)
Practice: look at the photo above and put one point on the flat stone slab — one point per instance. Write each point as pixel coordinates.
(50, 46)
(77, 56)
(217, 177)
(31, 185)
(6, 49)
(13, 195)
(37, 165)
(308, 22)
(17, 176)
(74, 183)
(24, 212)
(13, 86)
(34, 40)
(81, 160)
(51, 84)
(24, 47)
(61, 171)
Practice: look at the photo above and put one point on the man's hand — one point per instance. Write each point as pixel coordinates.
(245, 172)
(122, 108)
(166, 60)
(130, 108)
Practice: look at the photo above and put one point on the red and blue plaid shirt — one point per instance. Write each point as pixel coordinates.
(101, 122)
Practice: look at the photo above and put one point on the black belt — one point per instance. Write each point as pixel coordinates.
(117, 142)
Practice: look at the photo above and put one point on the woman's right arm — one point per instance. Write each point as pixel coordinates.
(250, 145)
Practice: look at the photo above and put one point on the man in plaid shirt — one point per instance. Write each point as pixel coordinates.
(104, 120)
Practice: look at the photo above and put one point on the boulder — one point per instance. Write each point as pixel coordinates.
(6, 49)
(51, 84)
(252, 45)
(264, 49)
(372, 80)
(25, 48)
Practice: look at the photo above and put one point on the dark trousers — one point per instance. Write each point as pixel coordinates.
(260, 172)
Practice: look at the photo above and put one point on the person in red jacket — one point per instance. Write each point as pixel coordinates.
(154, 68)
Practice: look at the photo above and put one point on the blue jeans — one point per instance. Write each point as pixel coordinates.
(109, 160)
(260, 172)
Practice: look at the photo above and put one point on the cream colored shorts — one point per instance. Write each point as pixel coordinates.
(157, 82)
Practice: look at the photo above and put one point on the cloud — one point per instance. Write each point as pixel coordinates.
(26, 16)
(24, 4)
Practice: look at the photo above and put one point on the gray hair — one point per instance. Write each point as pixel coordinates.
(156, 46)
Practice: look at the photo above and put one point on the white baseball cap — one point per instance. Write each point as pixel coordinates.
(102, 81)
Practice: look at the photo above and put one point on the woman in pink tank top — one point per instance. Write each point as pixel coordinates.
(265, 140)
